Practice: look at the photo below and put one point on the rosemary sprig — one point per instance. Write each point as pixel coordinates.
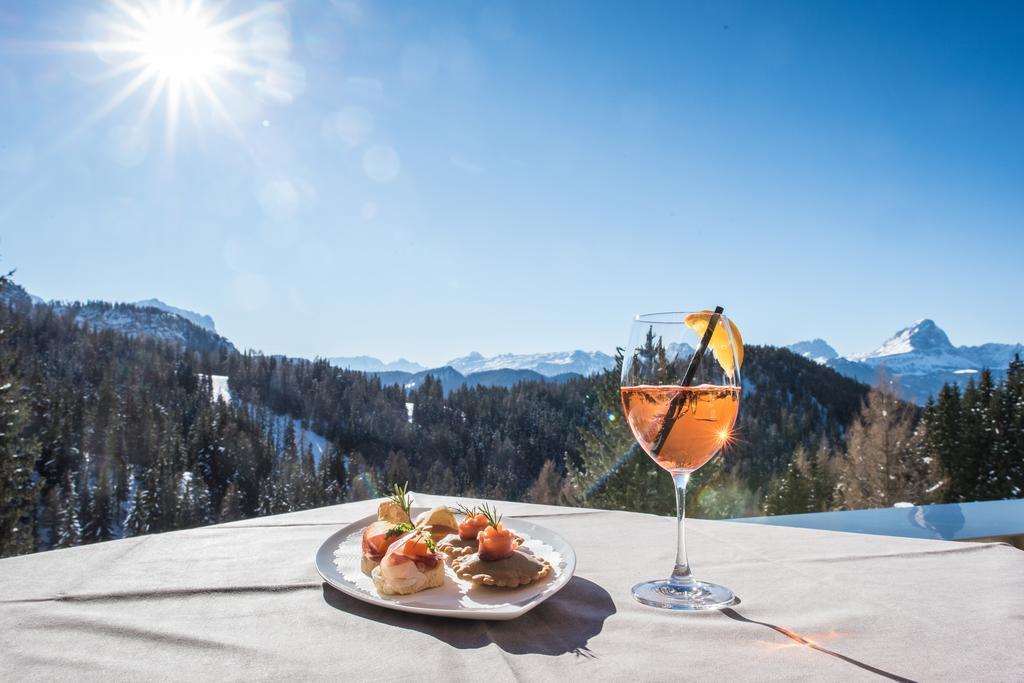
(488, 511)
(400, 496)
(468, 511)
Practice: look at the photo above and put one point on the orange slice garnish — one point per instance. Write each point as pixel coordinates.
(719, 344)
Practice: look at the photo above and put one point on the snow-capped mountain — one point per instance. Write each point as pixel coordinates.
(138, 321)
(203, 321)
(921, 358)
(451, 379)
(151, 318)
(817, 350)
(371, 364)
(924, 348)
(547, 364)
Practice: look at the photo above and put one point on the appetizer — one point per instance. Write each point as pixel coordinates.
(392, 521)
(497, 560)
(410, 565)
(438, 522)
(464, 541)
(377, 538)
(396, 508)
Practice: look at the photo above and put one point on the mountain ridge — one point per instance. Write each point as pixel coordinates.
(549, 364)
(372, 364)
(150, 318)
(451, 379)
(920, 358)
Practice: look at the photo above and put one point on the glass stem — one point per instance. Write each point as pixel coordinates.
(681, 576)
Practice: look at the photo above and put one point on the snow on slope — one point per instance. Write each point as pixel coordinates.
(303, 437)
(923, 336)
(547, 364)
(220, 388)
(924, 348)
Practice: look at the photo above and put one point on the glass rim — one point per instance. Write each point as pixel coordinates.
(656, 318)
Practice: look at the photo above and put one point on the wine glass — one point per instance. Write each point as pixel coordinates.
(680, 393)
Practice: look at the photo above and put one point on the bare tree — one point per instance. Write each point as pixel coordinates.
(884, 462)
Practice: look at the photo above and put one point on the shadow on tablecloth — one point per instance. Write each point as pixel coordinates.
(736, 616)
(564, 623)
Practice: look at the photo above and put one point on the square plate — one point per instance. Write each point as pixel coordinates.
(338, 560)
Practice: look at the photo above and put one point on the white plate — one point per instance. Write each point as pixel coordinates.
(338, 558)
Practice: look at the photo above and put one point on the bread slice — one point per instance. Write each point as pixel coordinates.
(368, 565)
(433, 577)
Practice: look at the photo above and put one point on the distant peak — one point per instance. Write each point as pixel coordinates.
(203, 321)
(816, 349)
(549, 364)
(924, 335)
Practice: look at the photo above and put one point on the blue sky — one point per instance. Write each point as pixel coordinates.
(427, 179)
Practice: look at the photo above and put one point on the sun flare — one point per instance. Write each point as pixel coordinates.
(181, 45)
(183, 51)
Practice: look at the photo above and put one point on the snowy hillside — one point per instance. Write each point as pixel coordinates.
(303, 437)
(136, 321)
(150, 318)
(203, 321)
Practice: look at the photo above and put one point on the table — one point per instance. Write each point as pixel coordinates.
(243, 601)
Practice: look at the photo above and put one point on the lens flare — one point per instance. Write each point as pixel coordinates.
(180, 52)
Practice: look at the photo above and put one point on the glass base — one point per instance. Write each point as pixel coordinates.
(694, 598)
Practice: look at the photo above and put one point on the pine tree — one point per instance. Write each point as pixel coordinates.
(793, 491)
(309, 492)
(101, 517)
(193, 502)
(17, 460)
(286, 473)
(136, 521)
(1010, 456)
(69, 533)
(332, 476)
(612, 471)
(49, 522)
(980, 433)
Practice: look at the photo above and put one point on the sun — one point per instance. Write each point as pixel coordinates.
(183, 52)
(180, 44)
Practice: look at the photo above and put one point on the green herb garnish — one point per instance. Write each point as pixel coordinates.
(398, 530)
(429, 541)
(493, 518)
(468, 511)
(404, 527)
(400, 496)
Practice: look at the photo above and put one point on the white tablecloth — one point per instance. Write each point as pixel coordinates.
(244, 601)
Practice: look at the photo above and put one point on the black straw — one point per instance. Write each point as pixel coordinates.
(691, 369)
(675, 408)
